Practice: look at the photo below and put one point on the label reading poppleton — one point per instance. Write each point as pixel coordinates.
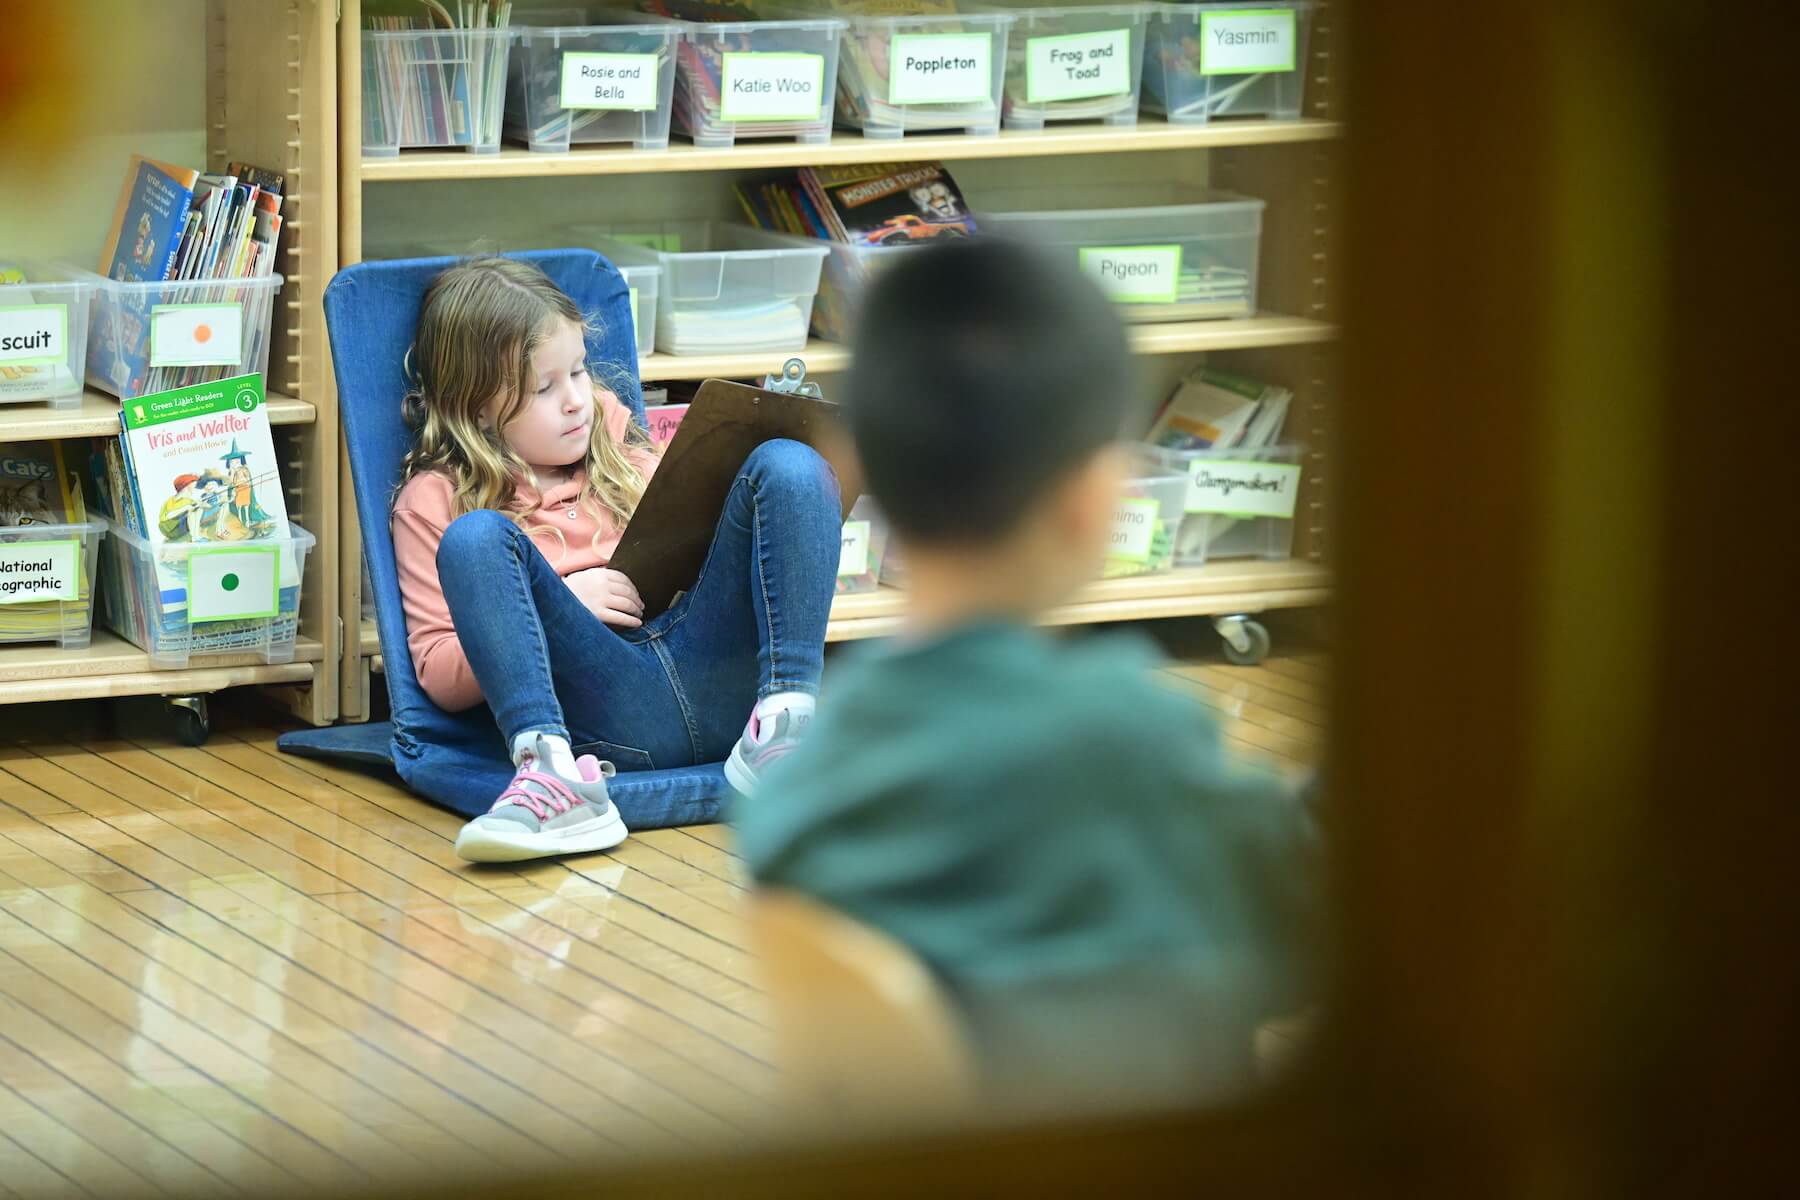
(1247, 42)
(757, 86)
(34, 335)
(1077, 66)
(1134, 529)
(941, 68)
(853, 559)
(609, 81)
(40, 571)
(1243, 489)
(1135, 274)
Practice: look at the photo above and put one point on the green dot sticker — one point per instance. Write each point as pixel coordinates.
(229, 583)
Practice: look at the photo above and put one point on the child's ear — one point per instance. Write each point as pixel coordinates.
(1088, 499)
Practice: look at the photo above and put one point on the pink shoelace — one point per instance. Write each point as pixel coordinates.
(561, 796)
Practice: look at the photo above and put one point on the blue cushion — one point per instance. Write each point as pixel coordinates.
(457, 759)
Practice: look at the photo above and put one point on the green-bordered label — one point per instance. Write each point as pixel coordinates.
(1243, 488)
(244, 393)
(1076, 66)
(1133, 529)
(1247, 41)
(940, 68)
(765, 86)
(233, 583)
(196, 335)
(34, 335)
(853, 556)
(609, 81)
(46, 570)
(1135, 274)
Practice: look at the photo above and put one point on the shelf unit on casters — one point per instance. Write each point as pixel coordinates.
(1286, 163)
(270, 69)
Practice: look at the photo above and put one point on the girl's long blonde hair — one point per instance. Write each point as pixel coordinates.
(480, 322)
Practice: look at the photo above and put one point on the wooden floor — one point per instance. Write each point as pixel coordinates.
(224, 966)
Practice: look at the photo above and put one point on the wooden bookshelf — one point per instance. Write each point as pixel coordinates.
(1150, 134)
(111, 666)
(98, 416)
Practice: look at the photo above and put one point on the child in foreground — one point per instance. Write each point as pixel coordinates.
(524, 474)
(1113, 904)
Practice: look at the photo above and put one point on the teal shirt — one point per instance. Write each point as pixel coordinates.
(1063, 841)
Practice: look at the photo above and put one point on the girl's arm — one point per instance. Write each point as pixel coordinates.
(420, 517)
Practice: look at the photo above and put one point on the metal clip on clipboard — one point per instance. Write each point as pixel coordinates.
(792, 380)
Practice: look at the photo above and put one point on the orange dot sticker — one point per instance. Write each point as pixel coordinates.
(203, 334)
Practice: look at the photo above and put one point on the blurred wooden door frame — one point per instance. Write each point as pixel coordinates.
(1566, 826)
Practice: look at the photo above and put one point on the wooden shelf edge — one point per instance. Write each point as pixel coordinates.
(192, 681)
(1183, 337)
(98, 416)
(511, 162)
(29, 665)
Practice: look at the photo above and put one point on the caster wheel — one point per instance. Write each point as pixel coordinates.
(190, 723)
(1256, 635)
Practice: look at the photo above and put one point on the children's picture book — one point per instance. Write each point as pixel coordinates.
(664, 420)
(1216, 409)
(148, 221)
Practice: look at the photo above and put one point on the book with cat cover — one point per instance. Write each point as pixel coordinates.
(46, 588)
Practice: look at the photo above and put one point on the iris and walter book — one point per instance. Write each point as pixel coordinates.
(193, 479)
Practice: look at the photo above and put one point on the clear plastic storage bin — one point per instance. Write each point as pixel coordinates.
(1074, 63)
(196, 598)
(150, 337)
(906, 73)
(1208, 61)
(845, 277)
(1240, 503)
(580, 84)
(725, 289)
(44, 333)
(756, 79)
(864, 545)
(1146, 519)
(643, 280)
(47, 582)
(433, 87)
(1161, 251)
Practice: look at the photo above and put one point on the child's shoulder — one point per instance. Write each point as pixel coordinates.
(428, 493)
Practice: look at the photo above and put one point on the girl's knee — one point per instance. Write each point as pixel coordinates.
(476, 538)
(791, 466)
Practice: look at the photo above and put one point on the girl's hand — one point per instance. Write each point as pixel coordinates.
(609, 595)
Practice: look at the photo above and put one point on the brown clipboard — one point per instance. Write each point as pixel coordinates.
(665, 543)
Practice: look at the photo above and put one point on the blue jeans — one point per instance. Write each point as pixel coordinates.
(678, 690)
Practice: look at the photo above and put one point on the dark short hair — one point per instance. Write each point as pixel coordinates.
(985, 372)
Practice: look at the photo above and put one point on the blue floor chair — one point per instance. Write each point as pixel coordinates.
(458, 759)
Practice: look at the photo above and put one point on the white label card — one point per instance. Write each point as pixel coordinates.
(1134, 529)
(40, 571)
(940, 68)
(615, 81)
(34, 335)
(771, 87)
(1243, 489)
(1078, 65)
(196, 335)
(854, 558)
(1135, 274)
(1247, 42)
(236, 584)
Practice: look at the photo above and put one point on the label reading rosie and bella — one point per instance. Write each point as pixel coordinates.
(609, 81)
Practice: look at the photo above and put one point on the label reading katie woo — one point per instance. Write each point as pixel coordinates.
(609, 81)
(1135, 274)
(1247, 42)
(940, 68)
(1243, 489)
(40, 571)
(853, 559)
(1078, 65)
(1134, 529)
(771, 87)
(34, 335)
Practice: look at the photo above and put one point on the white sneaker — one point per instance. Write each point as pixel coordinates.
(540, 813)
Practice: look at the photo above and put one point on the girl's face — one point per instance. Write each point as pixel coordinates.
(552, 429)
